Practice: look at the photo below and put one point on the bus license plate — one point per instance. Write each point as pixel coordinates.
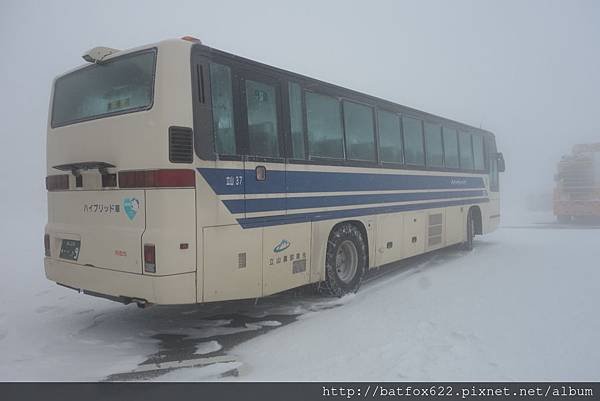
(69, 249)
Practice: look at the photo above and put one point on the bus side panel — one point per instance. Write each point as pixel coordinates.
(232, 263)
(490, 214)
(435, 232)
(390, 247)
(286, 257)
(414, 233)
(211, 212)
(456, 222)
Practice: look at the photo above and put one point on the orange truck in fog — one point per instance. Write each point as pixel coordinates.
(577, 192)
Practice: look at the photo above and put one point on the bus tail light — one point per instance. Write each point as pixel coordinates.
(149, 258)
(47, 244)
(57, 182)
(157, 178)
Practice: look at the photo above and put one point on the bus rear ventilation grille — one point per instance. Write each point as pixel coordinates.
(181, 145)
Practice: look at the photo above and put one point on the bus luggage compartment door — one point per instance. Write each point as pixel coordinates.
(232, 263)
(286, 257)
(414, 234)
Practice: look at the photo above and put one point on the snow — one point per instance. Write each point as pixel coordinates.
(521, 306)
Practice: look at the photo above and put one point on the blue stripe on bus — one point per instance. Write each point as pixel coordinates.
(309, 202)
(254, 222)
(226, 181)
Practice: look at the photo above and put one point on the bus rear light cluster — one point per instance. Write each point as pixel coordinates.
(57, 182)
(149, 258)
(47, 244)
(157, 178)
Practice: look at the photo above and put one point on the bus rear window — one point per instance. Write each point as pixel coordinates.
(122, 85)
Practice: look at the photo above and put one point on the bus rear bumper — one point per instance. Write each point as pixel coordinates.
(121, 286)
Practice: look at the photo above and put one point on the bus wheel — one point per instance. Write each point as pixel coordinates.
(468, 244)
(346, 260)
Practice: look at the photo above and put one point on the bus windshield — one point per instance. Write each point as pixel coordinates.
(122, 85)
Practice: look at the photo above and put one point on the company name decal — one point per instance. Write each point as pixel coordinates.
(282, 246)
(101, 208)
(130, 207)
(458, 181)
(285, 258)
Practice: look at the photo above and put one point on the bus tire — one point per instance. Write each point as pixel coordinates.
(468, 244)
(346, 260)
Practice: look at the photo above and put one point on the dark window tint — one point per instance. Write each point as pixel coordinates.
(466, 151)
(390, 138)
(222, 108)
(450, 148)
(413, 141)
(261, 104)
(478, 154)
(122, 85)
(494, 177)
(433, 145)
(490, 147)
(324, 123)
(296, 121)
(360, 135)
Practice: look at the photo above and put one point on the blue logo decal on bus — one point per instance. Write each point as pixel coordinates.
(282, 246)
(131, 207)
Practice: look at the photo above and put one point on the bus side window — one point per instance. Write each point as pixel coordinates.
(465, 148)
(222, 109)
(324, 123)
(261, 106)
(390, 137)
(478, 153)
(433, 145)
(494, 178)
(360, 132)
(490, 152)
(413, 141)
(450, 147)
(296, 121)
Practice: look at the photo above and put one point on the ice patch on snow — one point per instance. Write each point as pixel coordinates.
(211, 331)
(213, 323)
(261, 324)
(209, 372)
(268, 323)
(207, 347)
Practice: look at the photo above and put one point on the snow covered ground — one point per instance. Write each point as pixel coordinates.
(521, 306)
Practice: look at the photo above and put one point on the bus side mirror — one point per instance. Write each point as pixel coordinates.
(501, 163)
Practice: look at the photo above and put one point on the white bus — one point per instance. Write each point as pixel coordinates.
(178, 173)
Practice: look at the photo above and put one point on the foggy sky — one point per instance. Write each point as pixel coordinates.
(526, 70)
